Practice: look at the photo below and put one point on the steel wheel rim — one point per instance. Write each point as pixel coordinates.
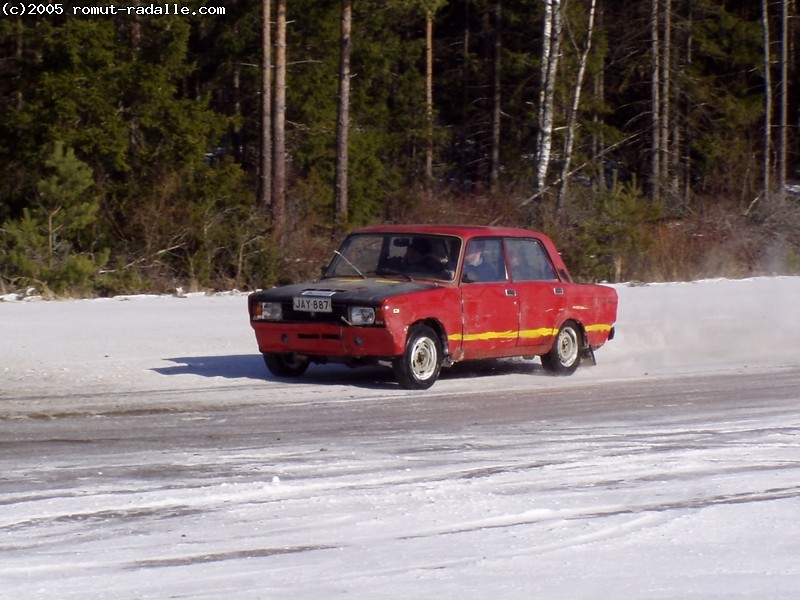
(567, 346)
(423, 358)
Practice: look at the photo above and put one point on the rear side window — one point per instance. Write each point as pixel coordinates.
(528, 261)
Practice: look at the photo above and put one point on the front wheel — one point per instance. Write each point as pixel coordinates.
(285, 365)
(419, 366)
(565, 355)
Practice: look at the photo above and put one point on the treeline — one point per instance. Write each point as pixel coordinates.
(652, 139)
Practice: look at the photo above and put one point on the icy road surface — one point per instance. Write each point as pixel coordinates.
(145, 453)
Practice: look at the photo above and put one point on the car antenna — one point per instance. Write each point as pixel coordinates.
(355, 268)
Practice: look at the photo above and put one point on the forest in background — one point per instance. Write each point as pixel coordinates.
(652, 139)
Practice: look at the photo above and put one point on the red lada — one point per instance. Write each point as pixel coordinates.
(416, 298)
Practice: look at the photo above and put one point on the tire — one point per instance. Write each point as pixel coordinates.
(285, 365)
(419, 366)
(565, 355)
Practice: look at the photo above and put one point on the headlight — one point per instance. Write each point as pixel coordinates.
(361, 315)
(268, 311)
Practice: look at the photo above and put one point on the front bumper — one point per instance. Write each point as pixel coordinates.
(327, 340)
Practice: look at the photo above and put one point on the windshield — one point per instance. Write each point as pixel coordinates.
(397, 255)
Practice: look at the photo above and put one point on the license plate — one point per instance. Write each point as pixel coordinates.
(312, 304)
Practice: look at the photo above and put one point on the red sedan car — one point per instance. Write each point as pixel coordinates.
(416, 298)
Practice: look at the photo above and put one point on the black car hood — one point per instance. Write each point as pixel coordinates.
(367, 291)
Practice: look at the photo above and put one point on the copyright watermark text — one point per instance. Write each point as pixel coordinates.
(22, 9)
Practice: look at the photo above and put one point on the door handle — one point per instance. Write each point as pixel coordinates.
(558, 291)
(511, 292)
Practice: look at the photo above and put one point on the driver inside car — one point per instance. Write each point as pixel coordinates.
(420, 258)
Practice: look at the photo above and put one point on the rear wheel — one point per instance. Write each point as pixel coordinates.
(419, 366)
(285, 365)
(565, 355)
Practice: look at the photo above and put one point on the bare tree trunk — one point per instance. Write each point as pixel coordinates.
(465, 82)
(19, 46)
(236, 128)
(767, 101)
(136, 33)
(431, 7)
(429, 98)
(783, 123)
(551, 52)
(265, 176)
(598, 140)
(655, 87)
(494, 173)
(343, 121)
(664, 136)
(279, 125)
(135, 48)
(684, 156)
(572, 118)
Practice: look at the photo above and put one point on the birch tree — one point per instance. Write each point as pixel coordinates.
(598, 142)
(769, 100)
(572, 117)
(343, 118)
(551, 52)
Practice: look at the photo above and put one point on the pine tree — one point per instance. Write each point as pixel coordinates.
(51, 245)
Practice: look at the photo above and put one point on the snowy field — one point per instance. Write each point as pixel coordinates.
(145, 453)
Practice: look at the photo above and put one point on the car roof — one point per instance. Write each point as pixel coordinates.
(463, 231)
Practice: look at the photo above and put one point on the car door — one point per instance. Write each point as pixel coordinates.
(540, 294)
(490, 309)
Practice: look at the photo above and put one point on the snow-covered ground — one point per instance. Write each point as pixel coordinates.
(145, 453)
